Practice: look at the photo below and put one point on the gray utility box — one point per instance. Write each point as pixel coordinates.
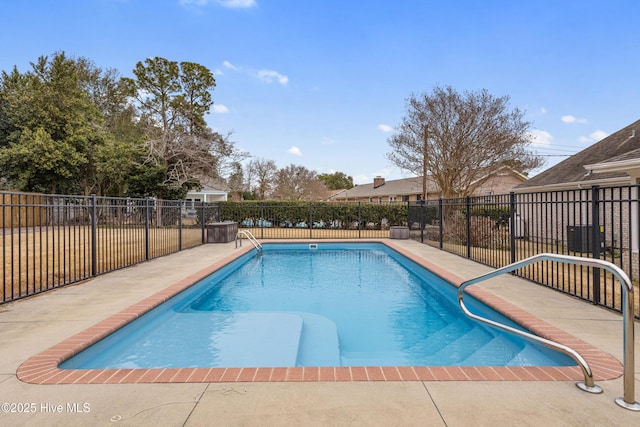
(397, 232)
(221, 232)
(580, 238)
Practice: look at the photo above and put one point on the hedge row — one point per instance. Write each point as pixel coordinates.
(320, 214)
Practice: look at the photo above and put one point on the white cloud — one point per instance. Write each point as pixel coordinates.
(572, 119)
(270, 76)
(220, 109)
(240, 4)
(541, 138)
(327, 141)
(295, 151)
(599, 134)
(385, 128)
(593, 137)
(230, 65)
(232, 4)
(543, 110)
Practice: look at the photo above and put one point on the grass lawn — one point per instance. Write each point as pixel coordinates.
(39, 259)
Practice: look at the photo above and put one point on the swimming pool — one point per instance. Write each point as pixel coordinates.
(324, 304)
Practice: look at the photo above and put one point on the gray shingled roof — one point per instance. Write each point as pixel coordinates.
(619, 146)
(397, 187)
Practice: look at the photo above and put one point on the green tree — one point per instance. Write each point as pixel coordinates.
(172, 100)
(90, 138)
(122, 154)
(336, 181)
(39, 163)
(459, 138)
(50, 129)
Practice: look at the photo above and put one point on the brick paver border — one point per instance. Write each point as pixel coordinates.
(43, 367)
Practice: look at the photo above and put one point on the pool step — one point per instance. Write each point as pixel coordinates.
(257, 339)
(463, 347)
(499, 351)
(442, 337)
(319, 343)
(533, 355)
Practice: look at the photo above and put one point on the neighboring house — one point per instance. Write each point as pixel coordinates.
(382, 191)
(207, 195)
(567, 191)
(410, 189)
(502, 181)
(210, 192)
(615, 160)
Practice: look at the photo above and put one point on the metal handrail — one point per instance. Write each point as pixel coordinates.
(628, 401)
(249, 237)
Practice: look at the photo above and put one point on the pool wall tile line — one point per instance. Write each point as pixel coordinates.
(43, 367)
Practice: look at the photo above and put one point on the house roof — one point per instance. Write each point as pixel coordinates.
(395, 187)
(408, 186)
(622, 145)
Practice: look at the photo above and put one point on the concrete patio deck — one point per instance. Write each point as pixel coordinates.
(33, 325)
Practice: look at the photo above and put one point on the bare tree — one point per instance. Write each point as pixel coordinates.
(236, 180)
(264, 173)
(457, 139)
(299, 183)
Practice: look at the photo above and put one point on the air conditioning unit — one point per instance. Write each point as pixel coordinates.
(580, 238)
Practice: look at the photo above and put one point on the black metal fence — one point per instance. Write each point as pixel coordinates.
(53, 240)
(597, 222)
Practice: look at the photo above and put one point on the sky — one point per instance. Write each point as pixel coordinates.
(323, 83)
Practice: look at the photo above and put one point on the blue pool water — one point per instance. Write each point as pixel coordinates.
(330, 304)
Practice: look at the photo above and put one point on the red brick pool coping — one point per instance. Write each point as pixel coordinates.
(43, 367)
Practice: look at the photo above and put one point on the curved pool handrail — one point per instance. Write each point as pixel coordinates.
(628, 401)
(249, 237)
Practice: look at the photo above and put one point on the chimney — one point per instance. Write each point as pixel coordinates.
(378, 181)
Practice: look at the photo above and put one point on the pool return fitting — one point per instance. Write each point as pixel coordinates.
(628, 400)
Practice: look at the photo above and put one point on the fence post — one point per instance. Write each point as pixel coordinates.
(263, 219)
(94, 235)
(202, 223)
(468, 206)
(440, 226)
(512, 230)
(146, 229)
(179, 226)
(595, 238)
(421, 219)
(310, 220)
(359, 226)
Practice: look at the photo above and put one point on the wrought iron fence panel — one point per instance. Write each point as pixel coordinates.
(53, 240)
(496, 230)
